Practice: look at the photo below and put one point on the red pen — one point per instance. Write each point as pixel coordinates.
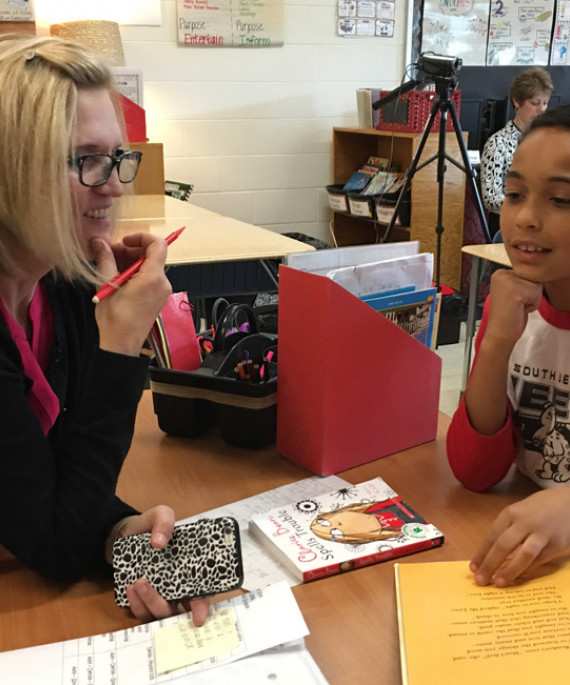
(117, 281)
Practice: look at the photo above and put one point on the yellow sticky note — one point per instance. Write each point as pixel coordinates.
(183, 644)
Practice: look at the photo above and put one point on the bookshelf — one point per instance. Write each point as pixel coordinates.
(353, 146)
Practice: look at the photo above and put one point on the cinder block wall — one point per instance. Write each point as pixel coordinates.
(251, 128)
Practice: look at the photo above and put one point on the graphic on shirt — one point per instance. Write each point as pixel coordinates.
(545, 424)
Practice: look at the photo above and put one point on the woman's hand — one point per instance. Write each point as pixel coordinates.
(145, 602)
(126, 317)
(524, 536)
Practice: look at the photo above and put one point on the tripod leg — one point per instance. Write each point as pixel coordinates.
(469, 170)
(441, 158)
(412, 170)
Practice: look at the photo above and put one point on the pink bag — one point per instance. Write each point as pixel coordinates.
(173, 335)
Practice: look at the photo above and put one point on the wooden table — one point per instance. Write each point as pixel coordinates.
(216, 255)
(491, 252)
(209, 238)
(352, 617)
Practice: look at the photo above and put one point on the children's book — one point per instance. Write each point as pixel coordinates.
(454, 631)
(412, 311)
(358, 180)
(386, 293)
(353, 526)
(380, 183)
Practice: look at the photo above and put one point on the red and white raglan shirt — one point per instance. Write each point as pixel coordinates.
(536, 434)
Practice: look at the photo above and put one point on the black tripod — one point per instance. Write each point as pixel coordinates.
(442, 104)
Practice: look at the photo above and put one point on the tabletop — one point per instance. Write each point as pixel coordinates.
(351, 617)
(493, 252)
(209, 237)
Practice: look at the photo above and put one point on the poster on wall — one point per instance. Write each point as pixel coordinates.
(16, 10)
(457, 28)
(230, 23)
(519, 32)
(561, 35)
(372, 18)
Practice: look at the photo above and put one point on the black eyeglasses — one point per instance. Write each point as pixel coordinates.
(95, 168)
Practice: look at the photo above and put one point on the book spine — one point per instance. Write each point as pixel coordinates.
(321, 572)
(416, 547)
(375, 558)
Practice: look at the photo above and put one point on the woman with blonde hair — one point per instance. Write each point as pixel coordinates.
(70, 372)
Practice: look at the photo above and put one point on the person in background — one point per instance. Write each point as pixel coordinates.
(516, 408)
(529, 93)
(70, 372)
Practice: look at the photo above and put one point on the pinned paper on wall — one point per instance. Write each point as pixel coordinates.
(230, 23)
(373, 18)
(561, 35)
(16, 10)
(456, 28)
(519, 32)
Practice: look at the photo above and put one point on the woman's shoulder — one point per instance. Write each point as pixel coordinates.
(508, 131)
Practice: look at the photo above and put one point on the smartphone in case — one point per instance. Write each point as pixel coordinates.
(202, 558)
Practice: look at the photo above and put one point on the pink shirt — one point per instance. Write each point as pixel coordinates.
(35, 356)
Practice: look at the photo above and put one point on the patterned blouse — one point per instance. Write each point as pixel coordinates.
(495, 163)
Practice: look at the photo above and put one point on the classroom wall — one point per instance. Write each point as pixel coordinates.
(251, 128)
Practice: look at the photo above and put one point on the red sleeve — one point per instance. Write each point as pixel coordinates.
(479, 461)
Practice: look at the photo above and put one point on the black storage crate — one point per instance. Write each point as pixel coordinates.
(188, 402)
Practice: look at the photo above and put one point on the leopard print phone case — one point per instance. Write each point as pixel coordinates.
(202, 558)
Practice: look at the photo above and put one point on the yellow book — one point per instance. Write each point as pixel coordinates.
(453, 631)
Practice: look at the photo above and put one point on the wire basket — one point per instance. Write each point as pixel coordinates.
(410, 112)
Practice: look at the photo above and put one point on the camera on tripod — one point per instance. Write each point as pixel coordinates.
(442, 70)
(438, 66)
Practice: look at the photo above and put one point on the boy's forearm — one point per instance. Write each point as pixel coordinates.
(486, 395)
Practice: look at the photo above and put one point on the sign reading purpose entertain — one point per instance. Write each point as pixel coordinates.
(230, 23)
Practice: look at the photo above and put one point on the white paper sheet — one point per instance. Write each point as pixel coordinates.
(260, 569)
(127, 657)
(323, 261)
(377, 277)
(283, 665)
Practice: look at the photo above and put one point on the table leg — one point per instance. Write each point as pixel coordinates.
(271, 271)
(476, 265)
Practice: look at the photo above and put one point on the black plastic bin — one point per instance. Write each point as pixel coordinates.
(186, 403)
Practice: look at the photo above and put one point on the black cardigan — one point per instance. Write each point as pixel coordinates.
(57, 493)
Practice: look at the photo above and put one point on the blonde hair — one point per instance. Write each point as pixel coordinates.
(321, 526)
(39, 80)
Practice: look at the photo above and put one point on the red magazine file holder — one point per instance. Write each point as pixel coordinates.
(135, 120)
(353, 387)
